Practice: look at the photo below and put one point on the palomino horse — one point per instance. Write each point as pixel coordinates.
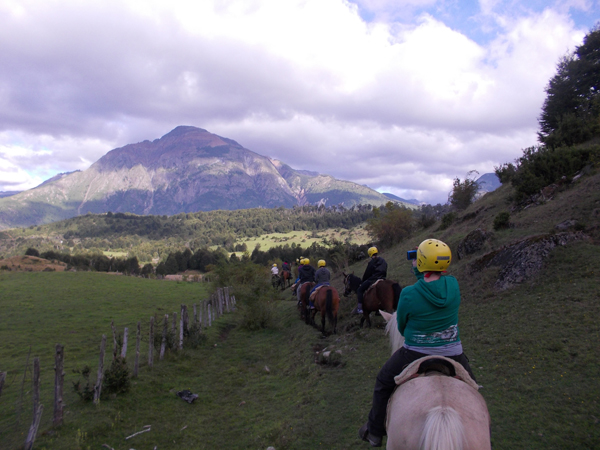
(327, 302)
(285, 279)
(383, 296)
(305, 289)
(434, 411)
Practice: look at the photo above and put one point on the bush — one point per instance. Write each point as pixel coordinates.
(463, 192)
(32, 252)
(253, 293)
(391, 224)
(116, 378)
(85, 392)
(447, 220)
(502, 221)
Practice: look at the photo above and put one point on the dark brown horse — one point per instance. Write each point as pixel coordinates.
(327, 302)
(285, 280)
(384, 296)
(303, 304)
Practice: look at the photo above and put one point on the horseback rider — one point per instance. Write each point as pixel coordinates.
(322, 278)
(306, 274)
(274, 272)
(428, 319)
(376, 270)
(286, 266)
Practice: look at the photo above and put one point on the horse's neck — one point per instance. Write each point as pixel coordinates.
(396, 339)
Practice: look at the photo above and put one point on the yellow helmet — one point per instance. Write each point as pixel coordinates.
(372, 251)
(306, 261)
(433, 256)
(274, 265)
(321, 263)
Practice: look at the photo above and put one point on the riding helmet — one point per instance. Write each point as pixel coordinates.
(372, 251)
(433, 256)
(321, 263)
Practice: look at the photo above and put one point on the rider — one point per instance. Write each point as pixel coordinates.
(274, 271)
(306, 274)
(376, 270)
(428, 319)
(322, 278)
(285, 266)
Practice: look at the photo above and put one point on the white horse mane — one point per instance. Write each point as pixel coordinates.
(391, 329)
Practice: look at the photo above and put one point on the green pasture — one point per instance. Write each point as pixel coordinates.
(356, 235)
(534, 349)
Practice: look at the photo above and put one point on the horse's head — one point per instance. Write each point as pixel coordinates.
(348, 284)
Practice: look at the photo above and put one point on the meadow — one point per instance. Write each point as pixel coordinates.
(533, 347)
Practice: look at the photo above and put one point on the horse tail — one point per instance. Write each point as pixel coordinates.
(443, 429)
(397, 291)
(305, 304)
(329, 305)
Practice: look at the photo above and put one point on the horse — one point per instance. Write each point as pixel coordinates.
(305, 289)
(327, 302)
(433, 410)
(286, 279)
(383, 296)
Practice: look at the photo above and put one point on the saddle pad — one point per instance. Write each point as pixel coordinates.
(411, 370)
(374, 284)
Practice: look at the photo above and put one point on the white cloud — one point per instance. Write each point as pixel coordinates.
(310, 82)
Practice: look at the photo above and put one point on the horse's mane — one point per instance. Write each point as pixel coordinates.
(391, 328)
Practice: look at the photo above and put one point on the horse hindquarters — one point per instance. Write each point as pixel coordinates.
(448, 404)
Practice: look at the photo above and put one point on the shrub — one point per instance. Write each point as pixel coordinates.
(447, 220)
(116, 378)
(502, 221)
(32, 252)
(463, 192)
(391, 224)
(85, 392)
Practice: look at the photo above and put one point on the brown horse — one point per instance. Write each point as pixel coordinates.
(327, 302)
(384, 296)
(285, 279)
(303, 300)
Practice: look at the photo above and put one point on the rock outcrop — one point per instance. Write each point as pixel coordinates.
(522, 260)
(473, 242)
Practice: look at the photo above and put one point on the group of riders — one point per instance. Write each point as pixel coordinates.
(427, 317)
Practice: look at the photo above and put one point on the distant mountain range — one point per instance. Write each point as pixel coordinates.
(186, 170)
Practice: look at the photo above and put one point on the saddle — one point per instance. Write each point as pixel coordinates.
(373, 285)
(314, 293)
(435, 363)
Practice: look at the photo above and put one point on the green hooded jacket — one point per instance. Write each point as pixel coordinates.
(428, 312)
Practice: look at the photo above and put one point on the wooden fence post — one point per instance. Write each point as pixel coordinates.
(151, 346)
(137, 349)
(209, 313)
(226, 289)
(195, 314)
(114, 333)
(100, 376)
(2, 378)
(186, 321)
(163, 344)
(125, 338)
(181, 320)
(59, 378)
(37, 408)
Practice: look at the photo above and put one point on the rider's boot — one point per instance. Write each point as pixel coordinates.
(311, 304)
(364, 434)
(358, 309)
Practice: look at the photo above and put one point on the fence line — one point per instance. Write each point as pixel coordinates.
(205, 313)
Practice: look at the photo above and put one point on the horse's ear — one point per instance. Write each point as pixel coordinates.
(386, 315)
(344, 274)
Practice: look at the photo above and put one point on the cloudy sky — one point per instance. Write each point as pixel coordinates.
(400, 95)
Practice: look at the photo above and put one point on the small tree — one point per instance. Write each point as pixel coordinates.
(32, 252)
(463, 192)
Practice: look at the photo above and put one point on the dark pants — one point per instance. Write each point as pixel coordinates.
(360, 292)
(385, 384)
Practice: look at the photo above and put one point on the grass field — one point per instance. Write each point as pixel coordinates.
(534, 348)
(536, 358)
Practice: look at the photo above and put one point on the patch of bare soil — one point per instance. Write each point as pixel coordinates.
(31, 264)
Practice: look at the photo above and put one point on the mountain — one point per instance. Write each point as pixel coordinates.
(488, 182)
(186, 170)
(412, 201)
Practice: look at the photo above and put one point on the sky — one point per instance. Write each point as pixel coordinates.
(403, 96)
